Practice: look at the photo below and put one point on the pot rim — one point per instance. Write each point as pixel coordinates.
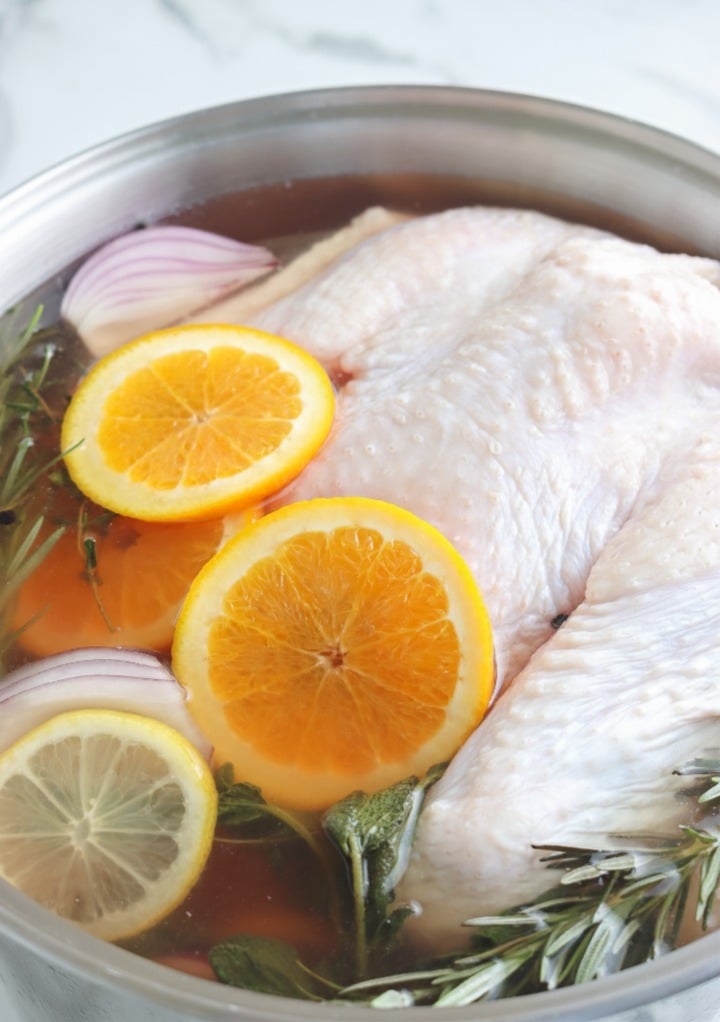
(280, 107)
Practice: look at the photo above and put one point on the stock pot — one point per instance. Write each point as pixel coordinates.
(285, 168)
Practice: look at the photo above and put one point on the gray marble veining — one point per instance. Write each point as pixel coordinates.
(77, 72)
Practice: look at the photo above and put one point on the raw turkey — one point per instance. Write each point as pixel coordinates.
(547, 395)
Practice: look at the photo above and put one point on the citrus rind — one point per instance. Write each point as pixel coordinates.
(108, 471)
(286, 781)
(104, 806)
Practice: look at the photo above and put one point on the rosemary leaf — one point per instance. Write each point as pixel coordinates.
(711, 793)
(568, 934)
(594, 870)
(601, 949)
(22, 561)
(393, 999)
(479, 984)
(625, 936)
(709, 880)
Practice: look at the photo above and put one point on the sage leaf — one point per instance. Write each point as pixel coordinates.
(239, 803)
(265, 965)
(380, 827)
(374, 833)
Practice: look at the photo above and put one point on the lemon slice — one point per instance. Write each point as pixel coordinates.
(106, 818)
(335, 644)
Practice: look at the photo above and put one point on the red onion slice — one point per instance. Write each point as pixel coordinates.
(117, 679)
(89, 660)
(154, 277)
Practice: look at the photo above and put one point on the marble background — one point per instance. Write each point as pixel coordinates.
(77, 72)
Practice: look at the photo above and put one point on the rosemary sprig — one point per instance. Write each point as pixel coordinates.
(612, 909)
(27, 355)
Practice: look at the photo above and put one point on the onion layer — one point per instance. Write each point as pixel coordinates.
(117, 679)
(152, 278)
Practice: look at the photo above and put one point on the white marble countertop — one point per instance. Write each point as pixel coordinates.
(77, 72)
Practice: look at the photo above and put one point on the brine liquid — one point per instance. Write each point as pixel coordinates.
(271, 888)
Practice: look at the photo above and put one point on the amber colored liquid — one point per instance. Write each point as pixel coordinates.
(298, 211)
(272, 889)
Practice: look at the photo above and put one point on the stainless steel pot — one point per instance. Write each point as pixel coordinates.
(286, 166)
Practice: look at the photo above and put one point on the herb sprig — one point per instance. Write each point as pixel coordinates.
(242, 807)
(27, 356)
(373, 835)
(612, 908)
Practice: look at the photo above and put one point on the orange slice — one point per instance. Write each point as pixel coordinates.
(133, 596)
(334, 645)
(191, 422)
